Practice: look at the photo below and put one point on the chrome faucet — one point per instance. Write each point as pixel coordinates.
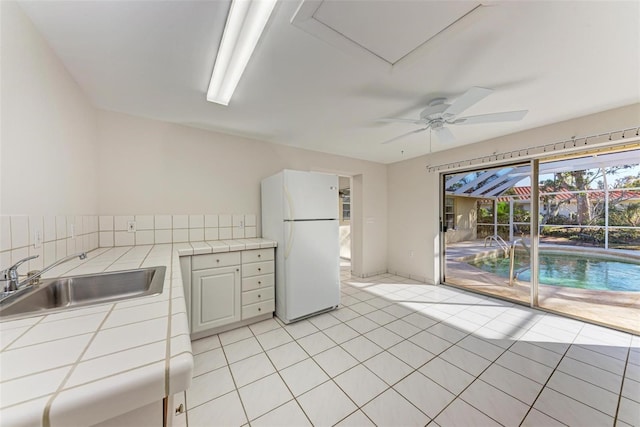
(10, 275)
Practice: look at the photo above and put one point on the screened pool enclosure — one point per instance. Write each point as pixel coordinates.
(585, 239)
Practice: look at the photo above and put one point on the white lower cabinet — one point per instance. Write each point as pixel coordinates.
(215, 297)
(153, 414)
(177, 411)
(150, 415)
(258, 296)
(230, 289)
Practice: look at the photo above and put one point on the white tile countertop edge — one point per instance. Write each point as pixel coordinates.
(217, 246)
(86, 365)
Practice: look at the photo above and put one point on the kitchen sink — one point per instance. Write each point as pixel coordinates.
(63, 293)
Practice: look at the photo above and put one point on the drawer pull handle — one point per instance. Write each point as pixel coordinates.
(259, 269)
(259, 296)
(259, 282)
(259, 255)
(217, 260)
(259, 309)
(237, 269)
(180, 409)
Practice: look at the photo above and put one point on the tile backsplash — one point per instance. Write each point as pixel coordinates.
(51, 237)
(54, 237)
(155, 229)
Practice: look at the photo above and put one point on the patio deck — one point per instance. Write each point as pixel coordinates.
(620, 310)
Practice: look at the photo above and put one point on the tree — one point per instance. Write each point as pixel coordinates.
(628, 182)
(626, 216)
(588, 211)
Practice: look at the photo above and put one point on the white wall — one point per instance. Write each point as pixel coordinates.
(466, 223)
(413, 193)
(48, 143)
(59, 155)
(152, 167)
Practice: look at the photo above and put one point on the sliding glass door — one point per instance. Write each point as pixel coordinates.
(589, 210)
(486, 230)
(561, 234)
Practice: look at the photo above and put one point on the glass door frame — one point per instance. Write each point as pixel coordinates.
(534, 224)
(534, 227)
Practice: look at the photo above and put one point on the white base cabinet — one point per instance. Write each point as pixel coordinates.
(147, 416)
(153, 415)
(176, 410)
(258, 293)
(229, 290)
(215, 297)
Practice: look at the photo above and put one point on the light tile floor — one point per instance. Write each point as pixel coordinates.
(402, 353)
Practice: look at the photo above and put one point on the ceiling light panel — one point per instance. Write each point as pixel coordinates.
(245, 24)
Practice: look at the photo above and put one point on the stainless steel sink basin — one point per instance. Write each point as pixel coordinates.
(77, 291)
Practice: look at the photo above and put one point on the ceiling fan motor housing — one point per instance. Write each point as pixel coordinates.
(434, 110)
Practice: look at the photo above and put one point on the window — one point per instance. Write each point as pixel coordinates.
(449, 213)
(345, 195)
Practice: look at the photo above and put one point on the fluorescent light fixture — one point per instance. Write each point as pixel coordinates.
(245, 23)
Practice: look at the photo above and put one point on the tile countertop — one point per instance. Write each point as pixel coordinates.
(83, 366)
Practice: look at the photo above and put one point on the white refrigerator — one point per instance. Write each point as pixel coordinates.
(300, 212)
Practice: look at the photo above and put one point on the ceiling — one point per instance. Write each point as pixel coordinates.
(325, 72)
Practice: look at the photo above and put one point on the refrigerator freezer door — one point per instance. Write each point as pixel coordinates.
(312, 267)
(310, 195)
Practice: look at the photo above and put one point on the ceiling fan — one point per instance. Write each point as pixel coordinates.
(438, 115)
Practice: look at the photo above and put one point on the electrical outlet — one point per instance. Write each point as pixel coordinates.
(131, 226)
(37, 239)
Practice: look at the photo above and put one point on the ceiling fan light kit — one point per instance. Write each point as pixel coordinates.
(438, 115)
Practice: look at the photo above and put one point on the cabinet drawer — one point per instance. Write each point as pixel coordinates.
(252, 297)
(257, 255)
(257, 282)
(215, 260)
(258, 309)
(257, 269)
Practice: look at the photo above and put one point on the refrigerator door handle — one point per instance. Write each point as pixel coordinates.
(290, 239)
(289, 202)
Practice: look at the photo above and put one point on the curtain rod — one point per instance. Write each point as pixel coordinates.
(628, 135)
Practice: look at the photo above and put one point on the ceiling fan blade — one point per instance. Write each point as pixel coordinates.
(401, 120)
(469, 98)
(444, 135)
(403, 135)
(507, 116)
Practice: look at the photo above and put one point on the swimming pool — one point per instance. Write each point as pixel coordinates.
(583, 271)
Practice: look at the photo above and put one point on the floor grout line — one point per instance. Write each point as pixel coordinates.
(352, 291)
(544, 386)
(624, 373)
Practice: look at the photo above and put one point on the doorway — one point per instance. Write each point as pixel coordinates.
(344, 216)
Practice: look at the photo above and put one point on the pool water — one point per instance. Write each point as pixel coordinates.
(571, 271)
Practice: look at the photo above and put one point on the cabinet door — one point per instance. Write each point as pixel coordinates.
(215, 297)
